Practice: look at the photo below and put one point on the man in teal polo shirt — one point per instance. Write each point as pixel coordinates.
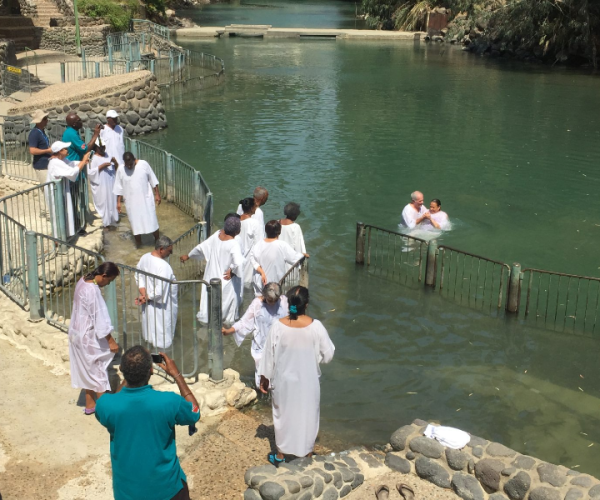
(78, 148)
(141, 423)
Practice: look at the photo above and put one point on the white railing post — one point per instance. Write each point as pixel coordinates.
(170, 178)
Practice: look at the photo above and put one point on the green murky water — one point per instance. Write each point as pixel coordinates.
(348, 130)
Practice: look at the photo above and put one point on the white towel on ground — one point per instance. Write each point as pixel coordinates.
(448, 436)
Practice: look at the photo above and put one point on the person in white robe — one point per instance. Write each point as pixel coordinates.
(261, 195)
(137, 183)
(257, 319)
(91, 345)
(414, 213)
(251, 233)
(295, 347)
(224, 261)
(158, 297)
(112, 136)
(59, 168)
(438, 219)
(271, 258)
(101, 173)
(291, 232)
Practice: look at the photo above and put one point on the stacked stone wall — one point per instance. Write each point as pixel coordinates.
(93, 39)
(139, 105)
(485, 470)
(8, 52)
(482, 470)
(70, 21)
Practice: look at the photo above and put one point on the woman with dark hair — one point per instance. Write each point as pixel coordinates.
(437, 219)
(295, 347)
(251, 233)
(270, 256)
(91, 346)
(291, 232)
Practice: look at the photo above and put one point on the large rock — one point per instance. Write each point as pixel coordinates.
(427, 447)
(467, 487)
(457, 460)
(594, 491)
(583, 480)
(499, 450)
(398, 439)
(544, 493)
(574, 494)
(132, 117)
(251, 495)
(330, 494)
(552, 474)
(524, 462)
(477, 441)
(432, 472)
(271, 491)
(396, 462)
(268, 469)
(488, 471)
(517, 487)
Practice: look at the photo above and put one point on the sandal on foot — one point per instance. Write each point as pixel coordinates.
(89, 411)
(382, 492)
(405, 491)
(274, 460)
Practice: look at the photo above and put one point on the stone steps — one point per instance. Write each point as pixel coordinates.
(14, 21)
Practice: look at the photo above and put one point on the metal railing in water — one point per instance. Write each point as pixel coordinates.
(296, 275)
(471, 279)
(557, 301)
(394, 255)
(560, 302)
(145, 26)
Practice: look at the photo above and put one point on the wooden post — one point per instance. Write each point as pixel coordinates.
(431, 266)
(514, 289)
(360, 243)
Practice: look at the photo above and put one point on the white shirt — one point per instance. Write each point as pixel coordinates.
(410, 215)
(113, 140)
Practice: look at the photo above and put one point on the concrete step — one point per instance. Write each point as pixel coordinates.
(17, 31)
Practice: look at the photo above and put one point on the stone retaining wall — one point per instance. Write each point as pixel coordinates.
(327, 478)
(70, 21)
(485, 470)
(137, 100)
(482, 470)
(93, 39)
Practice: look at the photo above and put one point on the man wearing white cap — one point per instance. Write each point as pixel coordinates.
(39, 145)
(113, 137)
(59, 168)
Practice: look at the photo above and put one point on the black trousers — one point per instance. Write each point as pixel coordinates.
(183, 493)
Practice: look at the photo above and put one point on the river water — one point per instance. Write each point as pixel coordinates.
(348, 130)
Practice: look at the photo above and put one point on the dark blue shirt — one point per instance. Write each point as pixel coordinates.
(141, 423)
(39, 139)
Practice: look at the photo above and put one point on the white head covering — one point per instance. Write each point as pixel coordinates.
(111, 113)
(58, 145)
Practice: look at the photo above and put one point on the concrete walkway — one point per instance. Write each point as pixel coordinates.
(267, 31)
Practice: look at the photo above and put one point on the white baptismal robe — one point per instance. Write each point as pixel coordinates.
(67, 171)
(136, 186)
(89, 353)
(442, 219)
(291, 361)
(410, 216)
(250, 234)
(258, 215)
(221, 256)
(274, 258)
(113, 140)
(292, 235)
(102, 183)
(258, 318)
(159, 314)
